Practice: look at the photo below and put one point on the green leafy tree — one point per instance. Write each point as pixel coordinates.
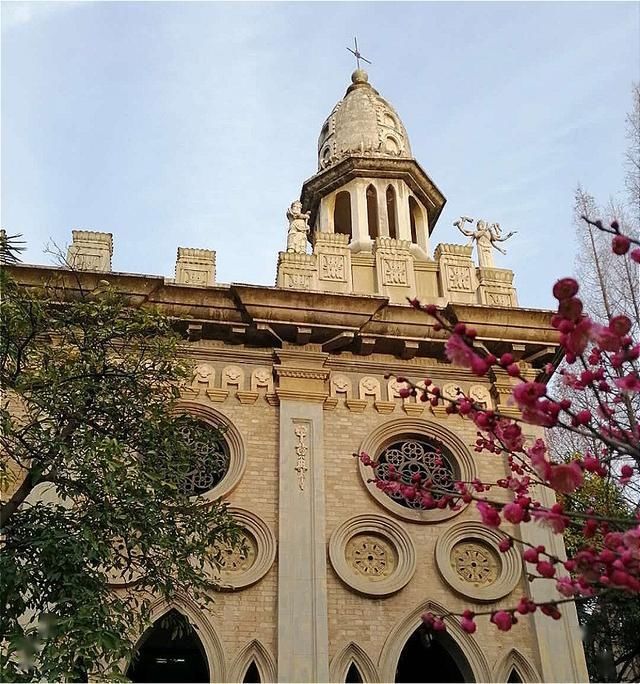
(96, 520)
(610, 622)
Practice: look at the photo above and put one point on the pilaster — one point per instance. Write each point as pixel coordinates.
(303, 641)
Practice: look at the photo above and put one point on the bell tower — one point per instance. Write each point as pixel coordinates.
(369, 212)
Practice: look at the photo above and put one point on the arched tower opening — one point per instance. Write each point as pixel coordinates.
(342, 214)
(417, 222)
(169, 651)
(432, 658)
(392, 212)
(372, 212)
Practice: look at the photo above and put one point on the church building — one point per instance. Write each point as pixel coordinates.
(335, 573)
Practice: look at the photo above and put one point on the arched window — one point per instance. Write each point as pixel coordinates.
(391, 213)
(432, 658)
(417, 222)
(514, 677)
(252, 675)
(169, 651)
(353, 675)
(342, 214)
(372, 212)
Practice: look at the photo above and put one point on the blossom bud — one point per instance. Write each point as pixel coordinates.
(620, 244)
(565, 288)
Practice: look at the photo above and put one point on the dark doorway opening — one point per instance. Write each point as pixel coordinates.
(252, 676)
(430, 658)
(353, 675)
(169, 651)
(514, 678)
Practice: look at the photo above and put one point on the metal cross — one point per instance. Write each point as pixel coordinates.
(356, 53)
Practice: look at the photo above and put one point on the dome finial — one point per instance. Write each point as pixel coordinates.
(359, 76)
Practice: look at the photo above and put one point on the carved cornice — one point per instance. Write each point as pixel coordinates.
(453, 250)
(307, 373)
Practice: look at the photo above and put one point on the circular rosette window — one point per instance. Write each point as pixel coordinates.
(469, 560)
(372, 554)
(405, 449)
(218, 451)
(249, 561)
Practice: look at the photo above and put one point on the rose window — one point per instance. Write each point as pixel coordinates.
(211, 457)
(402, 460)
(474, 563)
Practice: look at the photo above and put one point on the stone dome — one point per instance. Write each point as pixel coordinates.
(362, 124)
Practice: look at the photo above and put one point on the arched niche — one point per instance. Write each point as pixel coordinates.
(373, 222)
(209, 641)
(514, 667)
(392, 212)
(256, 655)
(462, 647)
(343, 662)
(170, 650)
(418, 223)
(342, 214)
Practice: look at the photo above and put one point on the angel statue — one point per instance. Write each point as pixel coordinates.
(485, 236)
(298, 228)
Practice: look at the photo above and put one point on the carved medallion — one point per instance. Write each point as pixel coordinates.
(371, 556)
(475, 563)
(240, 558)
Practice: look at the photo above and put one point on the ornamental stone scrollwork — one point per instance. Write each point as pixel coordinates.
(459, 278)
(372, 554)
(251, 560)
(332, 267)
(499, 298)
(470, 562)
(414, 445)
(301, 449)
(298, 281)
(480, 394)
(394, 272)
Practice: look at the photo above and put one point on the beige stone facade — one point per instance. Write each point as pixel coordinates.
(337, 573)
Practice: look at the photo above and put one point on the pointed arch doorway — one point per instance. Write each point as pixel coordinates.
(169, 651)
(432, 658)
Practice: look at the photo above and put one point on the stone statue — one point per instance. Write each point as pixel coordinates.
(298, 228)
(485, 236)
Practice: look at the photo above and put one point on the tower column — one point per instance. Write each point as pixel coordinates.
(359, 220)
(303, 642)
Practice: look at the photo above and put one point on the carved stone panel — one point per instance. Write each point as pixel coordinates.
(332, 267)
(394, 272)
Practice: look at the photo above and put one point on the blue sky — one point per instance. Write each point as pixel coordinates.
(195, 124)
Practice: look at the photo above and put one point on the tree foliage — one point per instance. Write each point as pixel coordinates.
(96, 523)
